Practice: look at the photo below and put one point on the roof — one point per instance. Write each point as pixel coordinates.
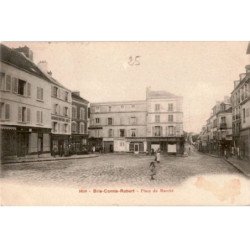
(17, 59)
(14, 58)
(118, 102)
(248, 48)
(160, 94)
(79, 98)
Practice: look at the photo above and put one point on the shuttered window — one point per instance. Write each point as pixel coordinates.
(14, 85)
(20, 114)
(28, 115)
(7, 111)
(2, 80)
(39, 94)
(8, 83)
(39, 117)
(28, 89)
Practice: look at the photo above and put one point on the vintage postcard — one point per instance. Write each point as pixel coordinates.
(125, 123)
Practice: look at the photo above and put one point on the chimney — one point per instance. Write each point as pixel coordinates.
(76, 92)
(236, 83)
(147, 91)
(26, 51)
(43, 65)
(242, 75)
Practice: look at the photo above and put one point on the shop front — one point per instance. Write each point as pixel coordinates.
(78, 144)
(167, 145)
(60, 144)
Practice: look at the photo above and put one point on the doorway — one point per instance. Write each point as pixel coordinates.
(22, 144)
(136, 148)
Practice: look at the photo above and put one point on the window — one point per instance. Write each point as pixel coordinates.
(65, 128)
(39, 117)
(23, 114)
(122, 107)
(1, 110)
(66, 96)
(39, 94)
(73, 127)
(170, 130)
(244, 115)
(21, 87)
(157, 131)
(97, 109)
(55, 127)
(56, 109)
(157, 107)
(66, 111)
(8, 83)
(122, 132)
(157, 118)
(133, 133)
(74, 112)
(110, 108)
(55, 91)
(170, 107)
(133, 106)
(223, 119)
(82, 113)
(82, 128)
(2, 80)
(133, 120)
(97, 120)
(170, 118)
(110, 121)
(110, 133)
(4, 111)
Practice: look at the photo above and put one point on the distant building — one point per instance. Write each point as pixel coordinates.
(25, 106)
(240, 97)
(216, 135)
(79, 122)
(138, 126)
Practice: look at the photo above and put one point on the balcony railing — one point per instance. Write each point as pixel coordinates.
(223, 125)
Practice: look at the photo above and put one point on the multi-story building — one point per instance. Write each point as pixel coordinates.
(79, 123)
(25, 109)
(217, 134)
(240, 97)
(164, 121)
(118, 126)
(61, 102)
(138, 126)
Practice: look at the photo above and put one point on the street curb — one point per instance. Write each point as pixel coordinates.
(236, 166)
(52, 159)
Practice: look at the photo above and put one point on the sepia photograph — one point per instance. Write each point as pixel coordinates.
(125, 123)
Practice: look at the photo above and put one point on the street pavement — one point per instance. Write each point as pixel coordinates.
(113, 169)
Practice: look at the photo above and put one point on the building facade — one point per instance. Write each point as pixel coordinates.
(216, 135)
(79, 124)
(138, 126)
(24, 107)
(164, 122)
(61, 102)
(240, 97)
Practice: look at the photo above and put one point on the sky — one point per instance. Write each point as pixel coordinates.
(201, 72)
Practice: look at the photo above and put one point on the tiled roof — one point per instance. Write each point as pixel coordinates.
(160, 94)
(14, 58)
(77, 97)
